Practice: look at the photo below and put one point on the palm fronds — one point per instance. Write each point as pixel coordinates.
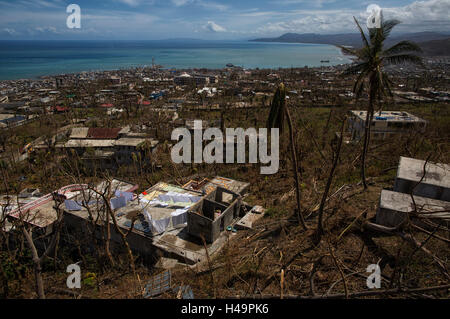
(363, 36)
(403, 46)
(402, 58)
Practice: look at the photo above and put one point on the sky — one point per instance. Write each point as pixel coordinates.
(208, 19)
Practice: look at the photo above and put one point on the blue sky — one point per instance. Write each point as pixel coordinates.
(208, 19)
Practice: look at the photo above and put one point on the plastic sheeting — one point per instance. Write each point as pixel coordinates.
(158, 203)
(118, 202)
(128, 196)
(137, 225)
(72, 205)
(165, 198)
(157, 226)
(195, 199)
(179, 217)
(184, 200)
(160, 226)
(92, 202)
(181, 199)
(147, 217)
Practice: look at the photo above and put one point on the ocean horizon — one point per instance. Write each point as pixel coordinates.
(27, 59)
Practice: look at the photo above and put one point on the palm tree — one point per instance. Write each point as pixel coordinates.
(278, 113)
(369, 63)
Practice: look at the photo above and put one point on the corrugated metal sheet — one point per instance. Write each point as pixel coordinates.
(158, 284)
(79, 132)
(103, 133)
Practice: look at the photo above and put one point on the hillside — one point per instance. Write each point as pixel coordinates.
(433, 43)
(436, 47)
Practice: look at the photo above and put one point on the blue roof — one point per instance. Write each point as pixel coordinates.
(14, 119)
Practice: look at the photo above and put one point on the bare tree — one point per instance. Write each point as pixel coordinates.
(38, 260)
(335, 161)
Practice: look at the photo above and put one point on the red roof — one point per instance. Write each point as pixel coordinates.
(103, 133)
(107, 105)
(60, 108)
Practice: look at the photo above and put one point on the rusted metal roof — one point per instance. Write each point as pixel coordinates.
(103, 133)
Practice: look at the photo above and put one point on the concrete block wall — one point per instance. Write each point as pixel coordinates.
(422, 189)
(206, 225)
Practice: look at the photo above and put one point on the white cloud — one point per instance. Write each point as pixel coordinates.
(183, 17)
(45, 30)
(417, 16)
(131, 3)
(332, 21)
(179, 3)
(47, 4)
(200, 3)
(212, 5)
(9, 31)
(211, 26)
(422, 12)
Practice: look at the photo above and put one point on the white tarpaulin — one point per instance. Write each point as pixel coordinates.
(179, 217)
(160, 226)
(148, 217)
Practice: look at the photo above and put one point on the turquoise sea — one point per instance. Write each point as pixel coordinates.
(32, 59)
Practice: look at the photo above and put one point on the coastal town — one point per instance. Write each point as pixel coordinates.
(86, 167)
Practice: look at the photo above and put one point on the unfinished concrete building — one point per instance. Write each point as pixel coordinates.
(213, 214)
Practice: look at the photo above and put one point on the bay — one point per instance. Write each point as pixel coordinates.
(32, 59)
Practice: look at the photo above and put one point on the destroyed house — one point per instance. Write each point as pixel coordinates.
(168, 219)
(384, 124)
(206, 185)
(183, 79)
(165, 206)
(103, 133)
(421, 191)
(108, 147)
(394, 207)
(41, 211)
(13, 121)
(430, 180)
